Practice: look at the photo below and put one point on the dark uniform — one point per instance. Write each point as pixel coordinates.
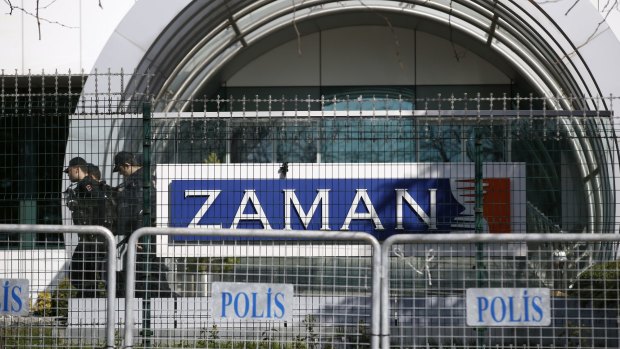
(150, 271)
(86, 200)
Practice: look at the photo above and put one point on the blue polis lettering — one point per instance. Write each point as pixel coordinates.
(498, 308)
(379, 206)
(15, 295)
(242, 303)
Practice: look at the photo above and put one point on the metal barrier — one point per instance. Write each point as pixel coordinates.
(548, 165)
(42, 287)
(505, 291)
(255, 279)
(245, 288)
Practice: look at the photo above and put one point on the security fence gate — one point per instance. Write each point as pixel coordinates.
(41, 288)
(438, 291)
(500, 291)
(385, 161)
(254, 288)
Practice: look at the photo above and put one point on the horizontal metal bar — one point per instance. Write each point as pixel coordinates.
(498, 238)
(39, 228)
(275, 233)
(319, 114)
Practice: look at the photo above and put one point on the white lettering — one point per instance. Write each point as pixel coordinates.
(322, 196)
(211, 196)
(250, 196)
(362, 195)
(431, 220)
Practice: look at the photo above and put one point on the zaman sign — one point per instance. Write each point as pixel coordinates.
(380, 199)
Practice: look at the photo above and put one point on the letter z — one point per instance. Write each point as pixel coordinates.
(211, 195)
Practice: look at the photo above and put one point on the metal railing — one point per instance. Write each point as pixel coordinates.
(348, 289)
(544, 170)
(31, 329)
(427, 280)
(319, 319)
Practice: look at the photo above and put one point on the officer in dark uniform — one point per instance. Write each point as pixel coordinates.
(108, 212)
(94, 172)
(150, 271)
(86, 201)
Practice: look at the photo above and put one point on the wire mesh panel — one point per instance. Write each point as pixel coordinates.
(473, 291)
(375, 159)
(264, 289)
(51, 298)
(568, 157)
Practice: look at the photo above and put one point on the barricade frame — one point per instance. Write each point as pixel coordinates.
(110, 264)
(261, 234)
(387, 245)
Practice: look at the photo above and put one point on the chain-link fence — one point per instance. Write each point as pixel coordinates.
(566, 146)
(40, 290)
(380, 160)
(265, 289)
(500, 291)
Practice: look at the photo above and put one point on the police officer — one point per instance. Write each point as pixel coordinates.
(150, 271)
(94, 172)
(86, 202)
(108, 212)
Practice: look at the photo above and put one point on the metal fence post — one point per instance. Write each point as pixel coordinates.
(479, 220)
(386, 249)
(146, 210)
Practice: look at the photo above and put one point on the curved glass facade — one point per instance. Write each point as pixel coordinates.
(568, 175)
(369, 133)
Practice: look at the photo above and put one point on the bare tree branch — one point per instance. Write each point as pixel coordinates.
(296, 29)
(48, 5)
(38, 20)
(606, 10)
(8, 2)
(596, 32)
(607, 3)
(396, 42)
(36, 15)
(394, 34)
(571, 8)
(458, 56)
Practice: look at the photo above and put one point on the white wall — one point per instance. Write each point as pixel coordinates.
(73, 33)
(608, 10)
(83, 28)
(595, 39)
(367, 55)
(40, 267)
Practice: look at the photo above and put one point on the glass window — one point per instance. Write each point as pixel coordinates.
(368, 140)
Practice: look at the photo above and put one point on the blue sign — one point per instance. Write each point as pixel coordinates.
(381, 206)
(508, 307)
(381, 199)
(232, 301)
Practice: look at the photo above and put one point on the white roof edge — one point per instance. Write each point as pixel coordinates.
(131, 39)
